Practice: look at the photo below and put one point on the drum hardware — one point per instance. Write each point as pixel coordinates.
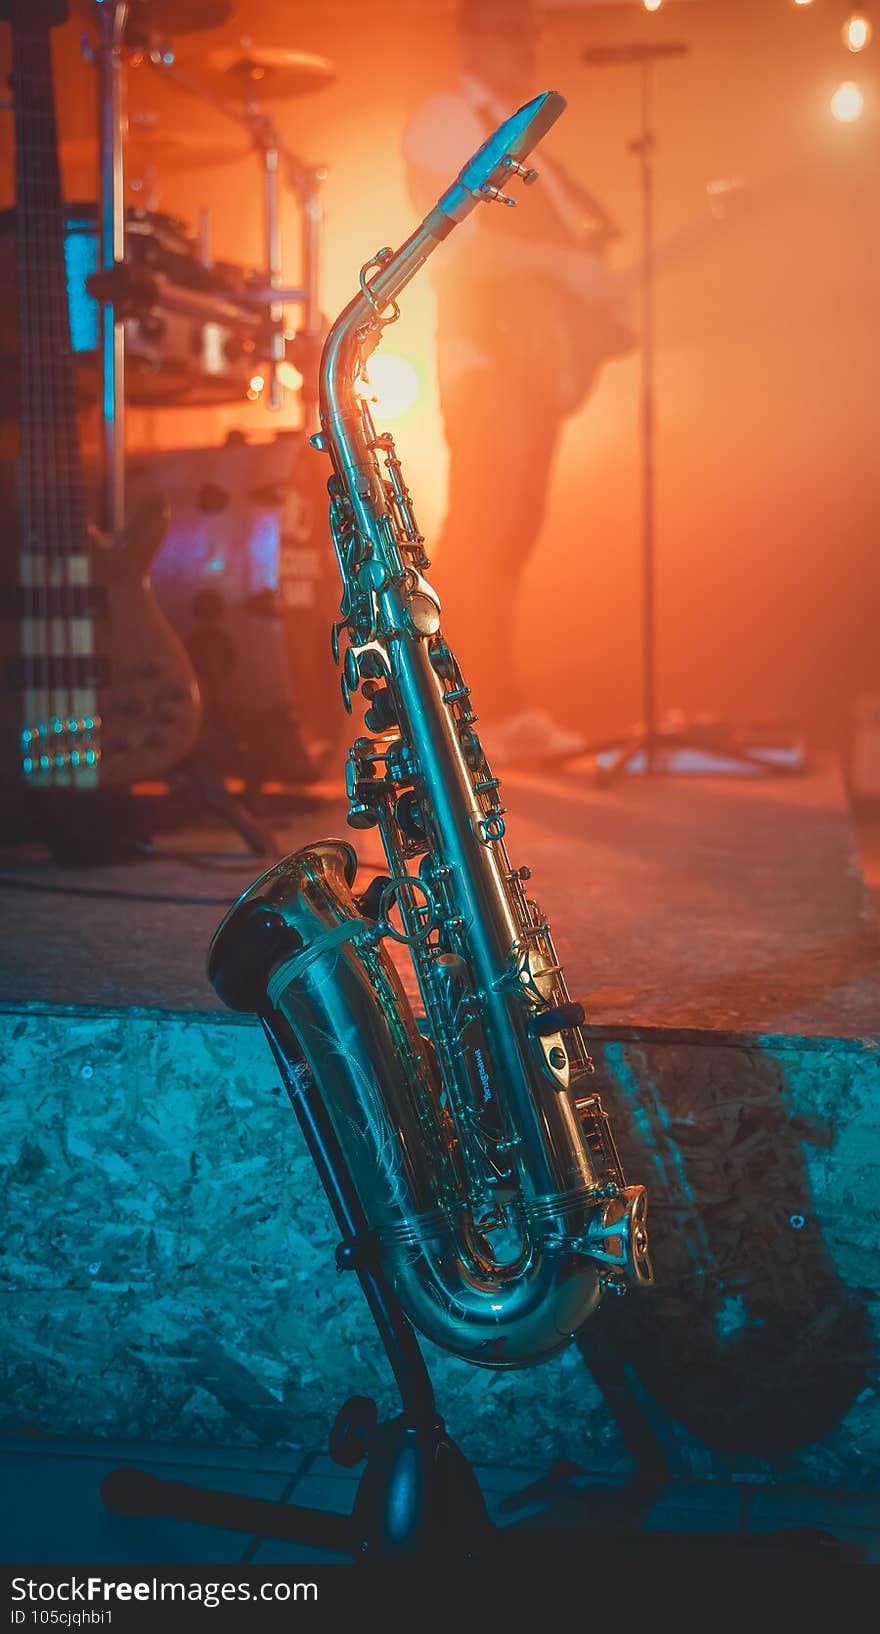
(246, 554)
(199, 343)
(183, 16)
(150, 272)
(270, 75)
(153, 150)
(113, 16)
(138, 292)
(278, 74)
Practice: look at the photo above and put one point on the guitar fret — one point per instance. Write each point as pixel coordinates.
(57, 670)
(78, 601)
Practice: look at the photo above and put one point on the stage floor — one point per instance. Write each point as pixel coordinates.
(59, 1518)
(721, 904)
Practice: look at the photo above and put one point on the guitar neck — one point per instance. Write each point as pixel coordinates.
(51, 498)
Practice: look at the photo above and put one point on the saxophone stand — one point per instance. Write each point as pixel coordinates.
(418, 1497)
(649, 748)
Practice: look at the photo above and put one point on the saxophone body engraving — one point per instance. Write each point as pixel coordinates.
(482, 1158)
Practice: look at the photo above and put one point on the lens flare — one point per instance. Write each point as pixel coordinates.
(856, 32)
(391, 386)
(847, 102)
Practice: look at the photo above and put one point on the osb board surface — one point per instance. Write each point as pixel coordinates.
(723, 903)
(168, 1257)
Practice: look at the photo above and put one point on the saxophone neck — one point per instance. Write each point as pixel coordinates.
(358, 329)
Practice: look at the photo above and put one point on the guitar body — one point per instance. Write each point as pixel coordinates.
(100, 650)
(96, 690)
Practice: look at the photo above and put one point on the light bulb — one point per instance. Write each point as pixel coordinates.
(391, 385)
(847, 102)
(856, 32)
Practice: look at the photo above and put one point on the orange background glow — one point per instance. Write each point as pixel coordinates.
(768, 564)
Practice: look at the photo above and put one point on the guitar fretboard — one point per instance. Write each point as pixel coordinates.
(56, 673)
(51, 500)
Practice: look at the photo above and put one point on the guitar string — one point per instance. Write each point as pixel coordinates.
(37, 402)
(26, 479)
(67, 538)
(45, 395)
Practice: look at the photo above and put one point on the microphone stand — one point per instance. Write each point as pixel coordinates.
(649, 748)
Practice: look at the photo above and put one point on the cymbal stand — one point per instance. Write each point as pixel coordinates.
(305, 182)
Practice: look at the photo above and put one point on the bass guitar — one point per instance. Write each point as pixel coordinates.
(96, 690)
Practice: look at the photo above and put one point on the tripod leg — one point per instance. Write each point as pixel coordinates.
(612, 763)
(211, 792)
(134, 1492)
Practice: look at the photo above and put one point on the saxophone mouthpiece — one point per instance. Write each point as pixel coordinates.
(496, 161)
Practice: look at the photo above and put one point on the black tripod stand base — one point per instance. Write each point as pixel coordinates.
(133, 1492)
(723, 747)
(417, 1499)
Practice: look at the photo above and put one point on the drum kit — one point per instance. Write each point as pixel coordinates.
(174, 326)
(156, 321)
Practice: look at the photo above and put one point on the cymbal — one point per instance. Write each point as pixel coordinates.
(263, 75)
(166, 150)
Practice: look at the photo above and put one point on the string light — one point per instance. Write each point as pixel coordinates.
(847, 102)
(856, 32)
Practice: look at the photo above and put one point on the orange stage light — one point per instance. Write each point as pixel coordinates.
(856, 32)
(847, 102)
(391, 386)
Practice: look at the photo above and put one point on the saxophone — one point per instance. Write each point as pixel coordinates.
(483, 1162)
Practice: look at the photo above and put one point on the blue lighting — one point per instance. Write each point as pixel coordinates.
(80, 261)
